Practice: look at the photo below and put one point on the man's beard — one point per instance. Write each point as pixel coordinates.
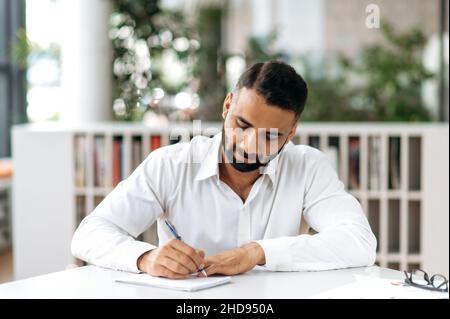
(244, 167)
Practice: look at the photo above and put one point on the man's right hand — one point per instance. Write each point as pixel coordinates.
(175, 260)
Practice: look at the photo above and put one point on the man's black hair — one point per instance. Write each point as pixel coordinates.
(278, 83)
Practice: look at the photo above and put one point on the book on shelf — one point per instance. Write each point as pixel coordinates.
(123, 159)
(136, 152)
(99, 162)
(80, 208)
(415, 165)
(174, 139)
(5, 238)
(155, 142)
(374, 163)
(394, 163)
(117, 159)
(98, 200)
(80, 161)
(353, 162)
(314, 141)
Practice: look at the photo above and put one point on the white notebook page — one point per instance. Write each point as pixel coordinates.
(190, 284)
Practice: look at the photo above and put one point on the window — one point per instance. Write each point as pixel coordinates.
(12, 78)
(44, 19)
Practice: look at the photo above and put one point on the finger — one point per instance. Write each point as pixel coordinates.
(189, 251)
(208, 262)
(200, 252)
(167, 273)
(182, 259)
(211, 270)
(175, 266)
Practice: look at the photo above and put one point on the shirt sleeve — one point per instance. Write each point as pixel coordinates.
(106, 237)
(344, 237)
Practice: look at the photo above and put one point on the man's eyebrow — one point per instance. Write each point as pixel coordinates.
(268, 132)
(240, 118)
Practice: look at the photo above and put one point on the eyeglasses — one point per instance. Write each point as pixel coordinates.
(422, 280)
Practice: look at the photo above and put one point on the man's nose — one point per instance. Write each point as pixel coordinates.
(249, 142)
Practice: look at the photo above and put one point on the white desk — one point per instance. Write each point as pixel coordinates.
(94, 282)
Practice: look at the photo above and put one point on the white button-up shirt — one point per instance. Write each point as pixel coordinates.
(181, 183)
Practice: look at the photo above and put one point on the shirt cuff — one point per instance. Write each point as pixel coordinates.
(277, 253)
(131, 251)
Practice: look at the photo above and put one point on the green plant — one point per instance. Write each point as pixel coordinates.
(261, 49)
(383, 83)
(147, 43)
(390, 76)
(211, 66)
(328, 96)
(25, 52)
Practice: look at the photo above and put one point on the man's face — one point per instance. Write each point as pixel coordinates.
(254, 131)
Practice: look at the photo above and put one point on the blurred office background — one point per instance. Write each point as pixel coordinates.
(89, 87)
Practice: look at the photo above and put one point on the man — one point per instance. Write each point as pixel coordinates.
(236, 199)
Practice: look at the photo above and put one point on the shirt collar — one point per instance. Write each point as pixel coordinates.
(210, 163)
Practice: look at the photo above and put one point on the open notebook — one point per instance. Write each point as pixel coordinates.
(190, 284)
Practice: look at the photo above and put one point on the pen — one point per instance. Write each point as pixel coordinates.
(177, 236)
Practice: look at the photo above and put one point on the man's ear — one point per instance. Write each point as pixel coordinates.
(227, 104)
(293, 131)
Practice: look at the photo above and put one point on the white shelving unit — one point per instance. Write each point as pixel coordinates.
(399, 173)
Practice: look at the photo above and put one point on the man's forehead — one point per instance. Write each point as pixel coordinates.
(252, 108)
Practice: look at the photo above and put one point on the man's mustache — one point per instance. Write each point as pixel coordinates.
(251, 158)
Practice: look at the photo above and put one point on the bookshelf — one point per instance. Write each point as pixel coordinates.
(398, 172)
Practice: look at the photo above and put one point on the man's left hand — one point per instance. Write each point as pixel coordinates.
(235, 261)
